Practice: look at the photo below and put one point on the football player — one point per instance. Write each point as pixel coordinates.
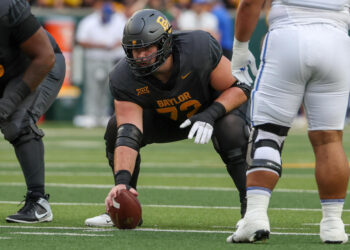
(32, 70)
(173, 86)
(305, 59)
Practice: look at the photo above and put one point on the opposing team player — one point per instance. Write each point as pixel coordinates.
(168, 88)
(32, 70)
(305, 59)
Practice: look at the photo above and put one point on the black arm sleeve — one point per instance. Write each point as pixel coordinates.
(25, 29)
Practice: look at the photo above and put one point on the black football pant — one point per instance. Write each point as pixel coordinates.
(21, 130)
(230, 139)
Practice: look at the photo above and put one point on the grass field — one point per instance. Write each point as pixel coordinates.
(188, 199)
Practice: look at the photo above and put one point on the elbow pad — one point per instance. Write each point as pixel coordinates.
(245, 87)
(130, 136)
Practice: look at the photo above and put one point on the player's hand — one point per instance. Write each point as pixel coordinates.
(203, 130)
(203, 123)
(114, 193)
(242, 60)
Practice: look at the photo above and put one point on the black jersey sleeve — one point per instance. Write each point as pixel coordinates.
(25, 29)
(14, 12)
(215, 51)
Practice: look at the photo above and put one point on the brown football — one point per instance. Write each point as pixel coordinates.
(126, 210)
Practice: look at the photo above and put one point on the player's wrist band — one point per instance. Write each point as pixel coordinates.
(122, 177)
(245, 87)
(216, 110)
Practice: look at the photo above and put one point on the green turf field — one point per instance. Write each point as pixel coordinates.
(188, 199)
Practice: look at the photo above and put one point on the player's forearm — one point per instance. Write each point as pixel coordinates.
(232, 98)
(247, 17)
(37, 70)
(124, 159)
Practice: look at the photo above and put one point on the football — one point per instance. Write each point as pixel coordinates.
(126, 210)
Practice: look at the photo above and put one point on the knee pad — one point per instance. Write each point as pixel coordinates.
(230, 138)
(265, 147)
(234, 156)
(21, 128)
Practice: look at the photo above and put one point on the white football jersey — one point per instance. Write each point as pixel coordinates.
(299, 12)
(319, 4)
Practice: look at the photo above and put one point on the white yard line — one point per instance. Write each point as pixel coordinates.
(192, 164)
(173, 206)
(169, 175)
(317, 224)
(40, 227)
(102, 186)
(139, 229)
(63, 234)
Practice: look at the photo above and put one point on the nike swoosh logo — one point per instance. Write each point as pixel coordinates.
(185, 76)
(40, 216)
(108, 221)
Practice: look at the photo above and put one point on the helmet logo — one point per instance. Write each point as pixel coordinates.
(133, 42)
(164, 23)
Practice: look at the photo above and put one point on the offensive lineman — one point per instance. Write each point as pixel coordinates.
(32, 70)
(305, 58)
(170, 87)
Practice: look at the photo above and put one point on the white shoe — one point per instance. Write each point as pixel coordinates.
(253, 227)
(239, 223)
(102, 220)
(332, 231)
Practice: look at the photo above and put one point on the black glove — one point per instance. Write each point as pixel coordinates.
(203, 123)
(10, 102)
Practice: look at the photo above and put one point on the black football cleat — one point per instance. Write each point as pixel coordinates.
(36, 209)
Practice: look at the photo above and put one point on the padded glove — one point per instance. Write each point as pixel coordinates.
(242, 60)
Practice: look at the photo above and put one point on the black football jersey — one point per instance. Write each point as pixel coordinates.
(188, 91)
(17, 24)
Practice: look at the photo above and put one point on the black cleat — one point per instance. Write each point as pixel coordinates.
(36, 209)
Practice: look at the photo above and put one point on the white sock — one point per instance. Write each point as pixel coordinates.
(258, 199)
(332, 208)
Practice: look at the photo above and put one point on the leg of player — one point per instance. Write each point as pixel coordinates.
(21, 131)
(29, 150)
(230, 140)
(264, 170)
(332, 175)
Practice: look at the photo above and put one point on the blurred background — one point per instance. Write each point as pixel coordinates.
(89, 33)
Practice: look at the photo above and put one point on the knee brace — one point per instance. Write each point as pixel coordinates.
(21, 129)
(265, 147)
